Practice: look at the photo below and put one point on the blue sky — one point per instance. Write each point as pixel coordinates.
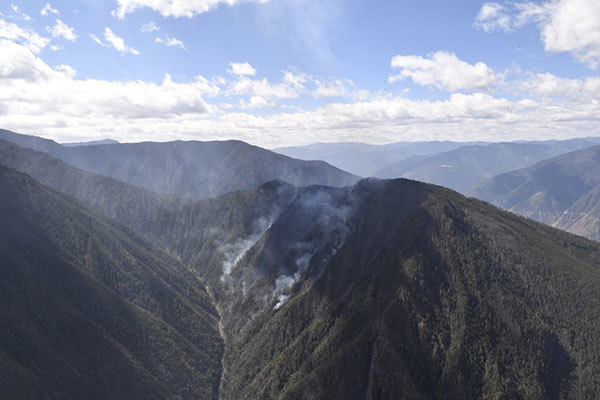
(282, 72)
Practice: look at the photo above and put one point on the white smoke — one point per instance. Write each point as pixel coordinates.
(234, 252)
(281, 300)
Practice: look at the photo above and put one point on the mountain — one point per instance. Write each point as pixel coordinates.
(386, 289)
(396, 289)
(91, 143)
(189, 169)
(364, 159)
(562, 192)
(135, 207)
(91, 310)
(466, 166)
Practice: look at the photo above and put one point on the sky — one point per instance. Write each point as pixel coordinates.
(290, 72)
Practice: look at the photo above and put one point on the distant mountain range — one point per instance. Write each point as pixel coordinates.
(90, 143)
(457, 165)
(365, 159)
(189, 169)
(562, 192)
(466, 166)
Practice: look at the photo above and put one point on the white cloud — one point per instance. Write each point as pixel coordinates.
(494, 16)
(175, 8)
(33, 91)
(547, 85)
(170, 41)
(332, 88)
(574, 27)
(26, 37)
(257, 102)
(38, 98)
(67, 70)
(566, 26)
(62, 30)
(47, 10)
(20, 13)
(241, 69)
(245, 86)
(296, 79)
(445, 71)
(97, 40)
(114, 41)
(149, 27)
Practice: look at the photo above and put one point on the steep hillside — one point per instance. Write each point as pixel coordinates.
(562, 191)
(140, 209)
(189, 169)
(337, 296)
(466, 166)
(91, 310)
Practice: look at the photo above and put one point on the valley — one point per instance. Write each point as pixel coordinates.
(384, 286)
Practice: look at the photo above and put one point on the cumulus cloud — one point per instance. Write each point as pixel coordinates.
(32, 89)
(67, 70)
(445, 71)
(549, 86)
(170, 42)
(241, 69)
(62, 30)
(114, 41)
(566, 26)
(257, 102)
(175, 8)
(47, 10)
(38, 98)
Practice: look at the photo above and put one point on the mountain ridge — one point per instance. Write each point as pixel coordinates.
(189, 169)
(560, 191)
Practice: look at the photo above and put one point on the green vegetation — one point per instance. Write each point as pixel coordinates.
(91, 310)
(393, 289)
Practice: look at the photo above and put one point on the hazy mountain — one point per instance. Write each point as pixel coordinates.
(189, 169)
(365, 159)
(562, 191)
(90, 310)
(136, 207)
(90, 143)
(464, 167)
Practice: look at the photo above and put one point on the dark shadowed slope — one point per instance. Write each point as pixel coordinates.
(189, 169)
(90, 310)
(562, 192)
(462, 168)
